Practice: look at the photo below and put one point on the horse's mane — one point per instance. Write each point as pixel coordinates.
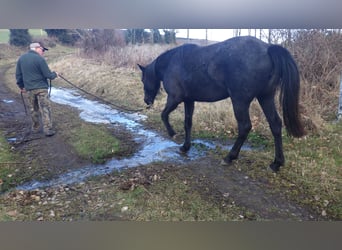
(162, 61)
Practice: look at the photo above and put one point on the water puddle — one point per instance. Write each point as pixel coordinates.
(7, 101)
(12, 139)
(154, 147)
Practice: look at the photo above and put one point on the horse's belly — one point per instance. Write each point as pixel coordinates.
(210, 99)
(205, 94)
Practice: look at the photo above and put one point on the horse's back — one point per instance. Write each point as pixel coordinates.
(239, 67)
(241, 56)
(224, 69)
(187, 75)
(245, 64)
(233, 57)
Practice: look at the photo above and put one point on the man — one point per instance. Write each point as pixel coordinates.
(32, 74)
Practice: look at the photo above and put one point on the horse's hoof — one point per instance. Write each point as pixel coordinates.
(226, 161)
(184, 149)
(275, 167)
(171, 133)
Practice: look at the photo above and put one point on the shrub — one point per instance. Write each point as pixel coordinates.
(20, 37)
(319, 57)
(98, 41)
(65, 36)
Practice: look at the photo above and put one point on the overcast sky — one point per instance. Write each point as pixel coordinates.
(213, 34)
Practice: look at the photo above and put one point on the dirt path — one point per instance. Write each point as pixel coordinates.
(256, 195)
(52, 156)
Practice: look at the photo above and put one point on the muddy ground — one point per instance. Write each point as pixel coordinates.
(43, 158)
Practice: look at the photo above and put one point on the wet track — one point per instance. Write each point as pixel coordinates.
(153, 146)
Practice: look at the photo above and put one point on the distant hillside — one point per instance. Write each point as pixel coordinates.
(4, 34)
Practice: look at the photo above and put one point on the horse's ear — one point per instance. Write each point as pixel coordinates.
(142, 68)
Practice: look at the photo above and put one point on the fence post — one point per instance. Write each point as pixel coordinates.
(339, 113)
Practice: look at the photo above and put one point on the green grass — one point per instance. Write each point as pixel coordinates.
(173, 200)
(312, 174)
(94, 143)
(313, 163)
(8, 163)
(5, 155)
(169, 199)
(99, 199)
(258, 140)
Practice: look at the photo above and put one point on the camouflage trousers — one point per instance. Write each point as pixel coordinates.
(40, 106)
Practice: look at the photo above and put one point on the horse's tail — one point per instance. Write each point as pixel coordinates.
(286, 72)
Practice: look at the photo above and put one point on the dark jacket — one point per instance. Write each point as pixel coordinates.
(32, 71)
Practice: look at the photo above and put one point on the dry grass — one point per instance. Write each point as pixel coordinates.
(122, 85)
(128, 56)
(117, 85)
(313, 163)
(114, 76)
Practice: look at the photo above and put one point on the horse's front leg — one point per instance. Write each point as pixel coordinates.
(189, 111)
(170, 106)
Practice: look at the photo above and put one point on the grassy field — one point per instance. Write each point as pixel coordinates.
(312, 176)
(35, 33)
(313, 162)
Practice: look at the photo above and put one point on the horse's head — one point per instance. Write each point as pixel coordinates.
(151, 83)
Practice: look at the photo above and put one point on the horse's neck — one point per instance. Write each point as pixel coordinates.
(162, 62)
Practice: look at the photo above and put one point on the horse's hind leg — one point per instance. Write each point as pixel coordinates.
(268, 106)
(189, 111)
(241, 111)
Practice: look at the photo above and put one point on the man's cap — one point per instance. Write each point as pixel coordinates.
(36, 45)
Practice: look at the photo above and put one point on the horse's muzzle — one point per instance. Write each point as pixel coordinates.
(148, 101)
(149, 106)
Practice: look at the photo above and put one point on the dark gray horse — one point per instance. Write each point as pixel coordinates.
(242, 68)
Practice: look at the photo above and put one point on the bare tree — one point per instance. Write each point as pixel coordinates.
(237, 32)
(269, 38)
